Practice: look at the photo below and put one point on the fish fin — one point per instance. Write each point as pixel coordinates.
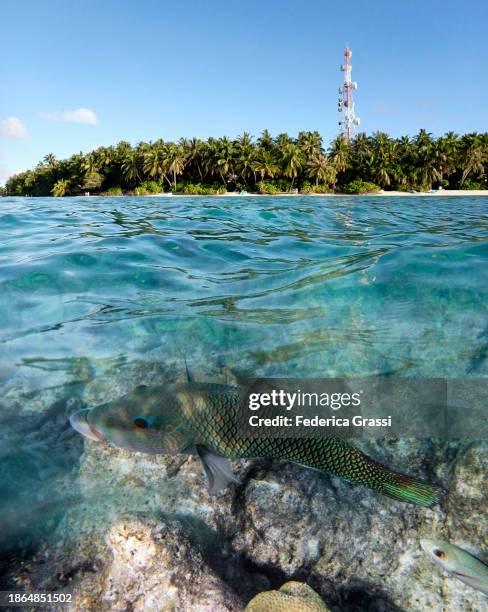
(189, 376)
(217, 468)
(412, 490)
(478, 583)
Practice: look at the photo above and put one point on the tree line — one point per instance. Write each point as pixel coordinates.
(267, 165)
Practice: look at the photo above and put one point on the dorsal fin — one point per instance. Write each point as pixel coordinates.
(189, 375)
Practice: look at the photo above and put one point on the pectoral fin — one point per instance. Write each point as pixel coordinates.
(476, 582)
(217, 468)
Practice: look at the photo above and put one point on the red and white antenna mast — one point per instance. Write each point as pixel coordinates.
(346, 99)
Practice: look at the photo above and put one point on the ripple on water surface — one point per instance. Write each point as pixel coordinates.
(279, 287)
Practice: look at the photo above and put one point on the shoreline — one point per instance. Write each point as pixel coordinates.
(233, 194)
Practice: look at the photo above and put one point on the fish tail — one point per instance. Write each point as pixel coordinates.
(394, 484)
(411, 490)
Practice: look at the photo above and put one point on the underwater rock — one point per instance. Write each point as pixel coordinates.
(291, 597)
(154, 566)
(357, 549)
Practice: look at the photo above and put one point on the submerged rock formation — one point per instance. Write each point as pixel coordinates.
(154, 566)
(140, 532)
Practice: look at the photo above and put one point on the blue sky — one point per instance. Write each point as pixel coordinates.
(76, 74)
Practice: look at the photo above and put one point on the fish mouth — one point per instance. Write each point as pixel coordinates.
(461, 575)
(79, 422)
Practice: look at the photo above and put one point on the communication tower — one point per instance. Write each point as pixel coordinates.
(346, 98)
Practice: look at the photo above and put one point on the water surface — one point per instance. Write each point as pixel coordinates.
(277, 286)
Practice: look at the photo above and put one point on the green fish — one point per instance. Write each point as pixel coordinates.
(204, 418)
(458, 563)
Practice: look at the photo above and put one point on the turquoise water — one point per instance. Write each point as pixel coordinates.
(268, 286)
(99, 295)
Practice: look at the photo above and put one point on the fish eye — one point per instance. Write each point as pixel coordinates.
(439, 553)
(141, 422)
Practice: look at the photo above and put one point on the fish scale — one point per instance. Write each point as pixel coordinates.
(217, 426)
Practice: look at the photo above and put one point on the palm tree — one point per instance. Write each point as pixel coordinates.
(420, 161)
(451, 143)
(383, 156)
(426, 169)
(176, 161)
(193, 149)
(92, 181)
(60, 188)
(122, 149)
(50, 161)
(310, 143)
(446, 154)
(282, 141)
(245, 153)
(155, 162)
(340, 153)
(405, 162)
(74, 168)
(291, 162)
(210, 156)
(361, 157)
(321, 169)
(219, 158)
(130, 166)
(104, 158)
(265, 141)
(91, 163)
(474, 156)
(265, 164)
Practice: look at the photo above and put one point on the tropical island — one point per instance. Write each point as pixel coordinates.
(267, 165)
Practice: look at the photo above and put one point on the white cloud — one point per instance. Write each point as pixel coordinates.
(78, 115)
(12, 127)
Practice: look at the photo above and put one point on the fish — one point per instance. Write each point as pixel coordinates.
(204, 419)
(458, 563)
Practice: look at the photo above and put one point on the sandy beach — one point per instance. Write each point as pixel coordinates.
(233, 194)
(442, 192)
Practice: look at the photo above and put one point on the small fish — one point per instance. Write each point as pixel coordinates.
(204, 419)
(458, 563)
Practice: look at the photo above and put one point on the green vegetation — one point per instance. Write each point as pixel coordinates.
(276, 186)
(265, 165)
(360, 187)
(308, 188)
(92, 181)
(114, 191)
(60, 188)
(470, 185)
(148, 188)
(199, 189)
